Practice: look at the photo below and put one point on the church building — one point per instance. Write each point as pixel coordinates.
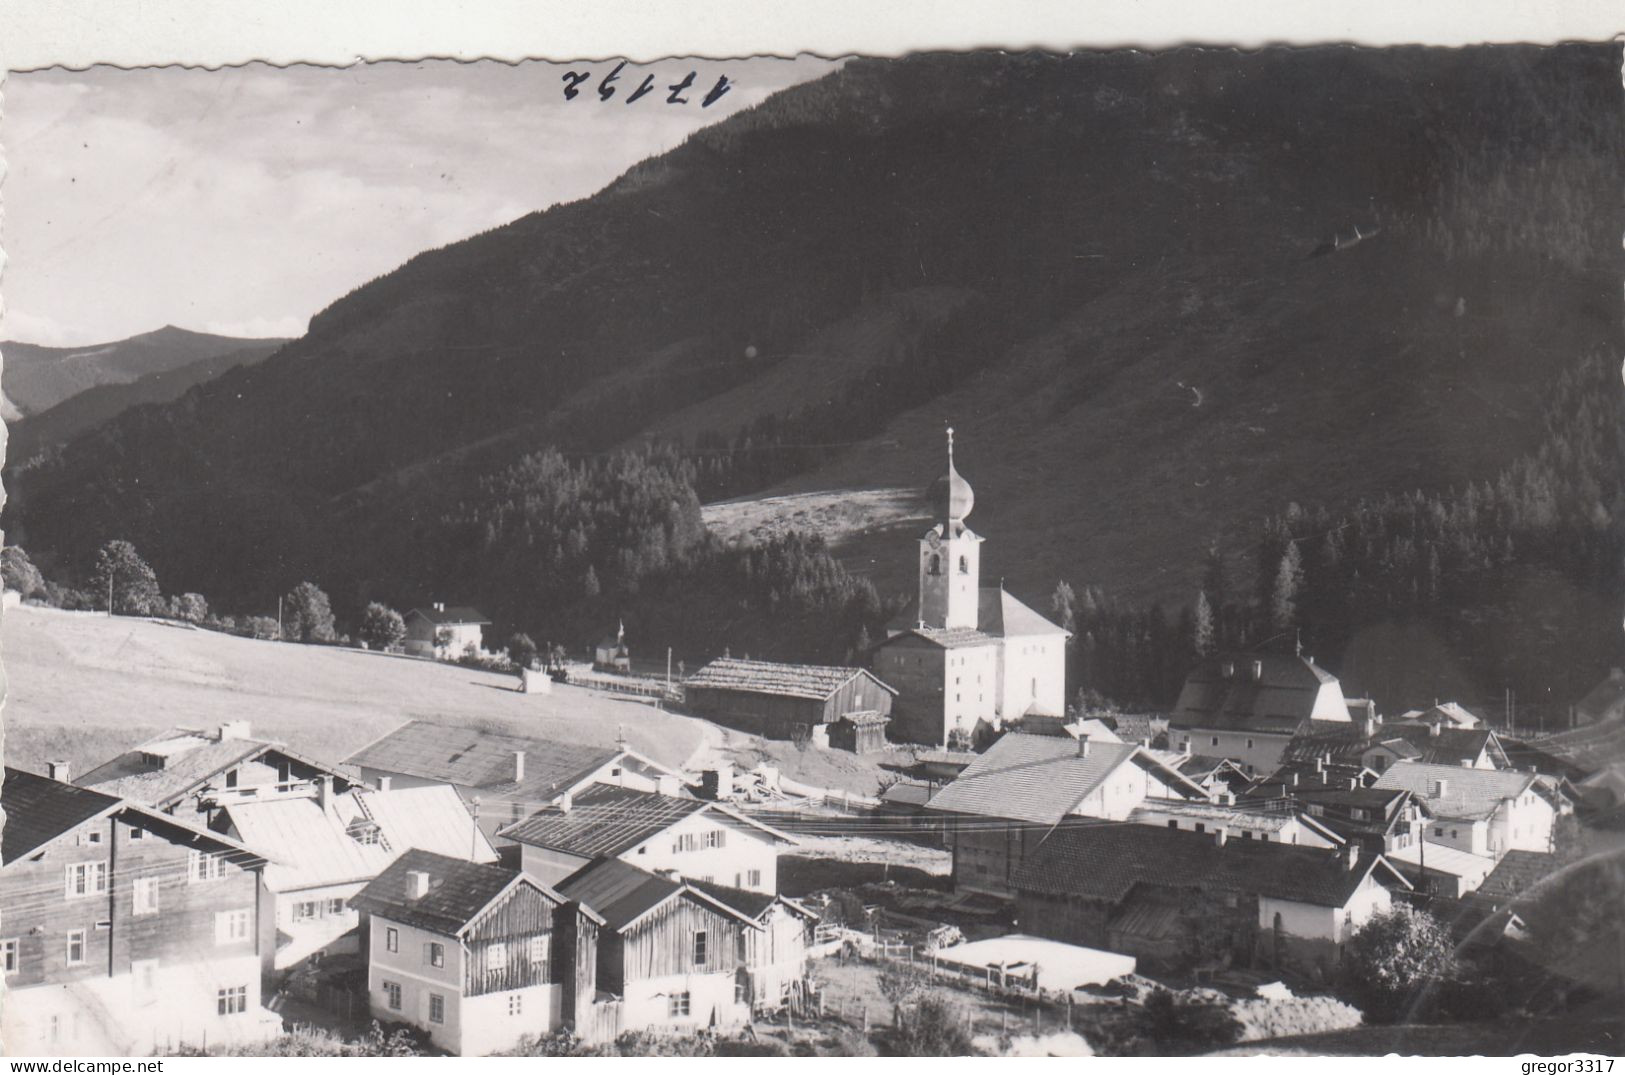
(965, 657)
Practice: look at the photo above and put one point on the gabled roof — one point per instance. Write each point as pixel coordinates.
(472, 758)
(815, 681)
(1041, 778)
(946, 637)
(1105, 861)
(191, 759)
(458, 891)
(313, 846)
(39, 810)
(452, 615)
(1236, 819)
(1280, 699)
(1449, 714)
(1447, 746)
(605, 820)
(999, 614)
(623, 894)
(1138, 727)
(1516, 877)
(753, 904)
(1472, 794)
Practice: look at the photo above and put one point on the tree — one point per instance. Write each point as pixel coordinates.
(1394, 959)
(589, 583)
(20, 573)
(192, 607)
(1203, 638)
(306, 615)
(121, 574)
(1182, 1024)
(261, 627)
(1064, 603)
(1288, 584)
(381, 626)
(522, 650)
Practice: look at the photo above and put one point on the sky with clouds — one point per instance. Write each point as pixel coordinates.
(244, 200)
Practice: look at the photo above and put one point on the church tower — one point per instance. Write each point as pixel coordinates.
(950, 555)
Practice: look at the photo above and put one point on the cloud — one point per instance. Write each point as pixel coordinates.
(258, 195)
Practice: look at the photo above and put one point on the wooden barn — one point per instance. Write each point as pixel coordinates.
(476, 955)
(676, 956)
(794, 701)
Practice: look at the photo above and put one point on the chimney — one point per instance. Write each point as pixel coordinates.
(1083, 746)
(566, 801)
(324, 792)
(1466, 763)
(383, 783)
(1354, 783)
(1294, 778)
(232, 729)
(1434, 729)
(518, 765)
(1439, 788)
(417, 885)
(1351, 855)
(1221, 835)
(1369, 723)
(58, 771)
(1258, 671)
(669, 786)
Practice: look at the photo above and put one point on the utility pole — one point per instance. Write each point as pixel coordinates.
(279, 617)
(110, 574)
(474, 833)
(668, 669)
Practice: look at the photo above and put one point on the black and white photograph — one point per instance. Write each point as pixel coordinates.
(987, 551)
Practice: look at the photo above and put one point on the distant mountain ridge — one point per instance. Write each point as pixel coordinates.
(37, 378)
(1098, 267)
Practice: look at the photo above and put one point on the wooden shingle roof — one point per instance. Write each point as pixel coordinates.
(1281, 698)
(39, 809)
(607, 820)
(814, 681)
(1106, 860)
(472, 758)
(458, 891)
(622, 893)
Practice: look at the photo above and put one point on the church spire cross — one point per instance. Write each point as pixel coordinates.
(950, 444)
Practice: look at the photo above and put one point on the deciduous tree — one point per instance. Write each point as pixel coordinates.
(121, 574)
(381, 626)
(307, 616)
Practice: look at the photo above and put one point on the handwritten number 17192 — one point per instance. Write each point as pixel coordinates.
(678, 93)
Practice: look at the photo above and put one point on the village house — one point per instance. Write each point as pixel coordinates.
(445, 633)
(1282, 823)
(674, 956)
(775, 953)
(689, 838)
(194, 774)
(1220, 776)
(965, 657)
(1486, 812)
(611, 654)
(1381, 820)
(1174, 897)
(504, 778)
(476, 955)
(124, 929)
(1444, 714)
(324, 847)
(1248, 709)
(1006, 801)
(820, 704)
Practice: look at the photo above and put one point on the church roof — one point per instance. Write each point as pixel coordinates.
(999, 614)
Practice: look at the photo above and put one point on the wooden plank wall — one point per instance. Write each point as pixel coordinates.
(525, 914)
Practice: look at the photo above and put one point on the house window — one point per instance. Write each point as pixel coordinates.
(392, 995)
(94, 836)
(699, 948)
(434, 954)
(1246, 835)
(8, 955)
(1200, 827)
(146, 895)
(232, 1001)
(537, 951)
(1438, 830)
(138, 834)
(1359, 813)
(1264, 836)
(392, 939)
(1173, 823)
(1215, 740)
(230, 926)
(753, 878)
(516, 1004)
(202, 866)
(437, 1008)
(677, 1004)
(76, 947)
(85, 879)
(497, 955)
(231, 779)
(1249, 744)
(304, 910)
(335, 906)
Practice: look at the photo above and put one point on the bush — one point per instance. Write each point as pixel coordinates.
(1394, 960)
(932, 1026)
(381, 627)
(1181, 1024)
(20, 573)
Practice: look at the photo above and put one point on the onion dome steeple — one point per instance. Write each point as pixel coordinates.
(951, 496)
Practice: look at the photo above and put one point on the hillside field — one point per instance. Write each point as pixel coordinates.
(83, 687)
